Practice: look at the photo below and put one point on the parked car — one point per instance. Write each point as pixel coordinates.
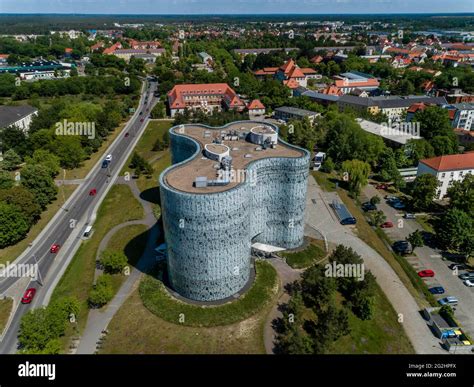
(28, 296)
(436, 290)
(387, 225)
(453, 301)
(469, 283)
(368, 206)
(467, 276)
(409, 215)
(398, 205)
(458, 266)
(426, 273)
(381, 186)
(390, 198)
(402, 247)
(54, 248)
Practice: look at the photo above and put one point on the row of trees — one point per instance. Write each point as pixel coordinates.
(41, 329)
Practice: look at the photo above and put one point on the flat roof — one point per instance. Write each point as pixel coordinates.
(392, 134)
(182, 177)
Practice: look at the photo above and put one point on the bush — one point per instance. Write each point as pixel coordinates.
(102, 292)
(113, 261)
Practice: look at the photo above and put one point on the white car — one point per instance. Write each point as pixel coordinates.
(469, 283)
(109, 158)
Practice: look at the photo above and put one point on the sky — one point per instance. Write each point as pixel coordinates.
(235, 6)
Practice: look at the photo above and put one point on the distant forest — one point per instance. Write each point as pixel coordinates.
(43, 23)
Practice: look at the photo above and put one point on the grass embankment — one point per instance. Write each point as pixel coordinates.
(234, 328)
(158, 301)
(382, 334)
(118, 207)
(12, 252)
(130, 240)
(5, 309)
(310, 254)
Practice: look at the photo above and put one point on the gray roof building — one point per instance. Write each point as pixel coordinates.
(9, 115)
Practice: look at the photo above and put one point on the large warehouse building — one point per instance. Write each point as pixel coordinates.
(229, 188)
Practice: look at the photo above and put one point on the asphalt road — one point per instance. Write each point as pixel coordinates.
(79, 210)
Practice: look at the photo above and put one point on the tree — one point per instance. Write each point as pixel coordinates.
(46, 158)
(6, 180)
(317, 288)
(377, 218)
(24, 200)
(113, 261)
(159, 111)
(357, 173)
(423, 191)
(102, 292)
(328, 165)
(332, 324)
(388, 168)
(11, 160)
(375, 200)
(461, 195)
(13, 225)
(37, 179)
(455, 231)
(416, 239)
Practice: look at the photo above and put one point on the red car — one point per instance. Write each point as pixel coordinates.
(382, 186)
(28, 296)
(54, 249)
(142, 120)
(387, 225)
(93, 192)
(127, 134)
(426, 273)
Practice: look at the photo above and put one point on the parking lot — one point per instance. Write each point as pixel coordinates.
(429, 258)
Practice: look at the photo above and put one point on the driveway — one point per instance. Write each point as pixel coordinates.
(320, 216)
(428, 258)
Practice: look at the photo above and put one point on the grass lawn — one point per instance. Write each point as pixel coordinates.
(156, 299)
(135, 330)
(325, 181)
(383, 334)
(5, 309)
(375, 240)
(426, 222)
(130, 240)
(312, 253)
(118, 207)
(12, 252)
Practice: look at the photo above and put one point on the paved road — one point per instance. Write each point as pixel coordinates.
(322, 217)
(429, 258)
(80, 209)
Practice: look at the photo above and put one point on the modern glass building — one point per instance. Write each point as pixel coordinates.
(229, 187)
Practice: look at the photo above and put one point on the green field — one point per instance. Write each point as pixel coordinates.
(158, 301)
(5, 309)
(311, 254)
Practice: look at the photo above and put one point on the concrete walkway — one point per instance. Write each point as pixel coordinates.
(99, 319)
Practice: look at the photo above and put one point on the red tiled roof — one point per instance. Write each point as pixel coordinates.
(307, 70)
(291, 83)
(416, 106)
(296, 73)
(221, 89)
(450, 162)
(288, 66)
(256, 105)
(370, 82)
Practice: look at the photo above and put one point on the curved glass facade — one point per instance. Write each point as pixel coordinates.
(209, 235)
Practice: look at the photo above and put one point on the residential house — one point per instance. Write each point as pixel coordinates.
(447, 169)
